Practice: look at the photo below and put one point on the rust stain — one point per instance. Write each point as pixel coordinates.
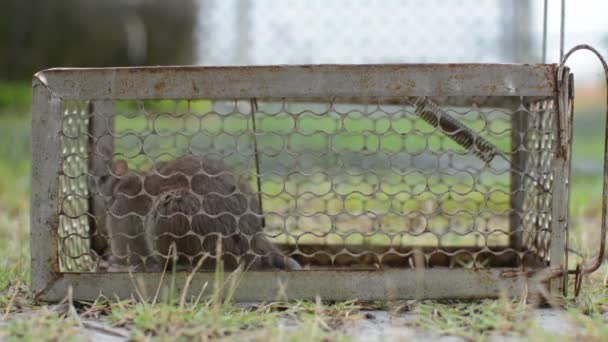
(39, 295)
(53, 224)
(410, 84)
(364, 82)
(518, 273)
(397, 87)
(459, 77)
(160, 86)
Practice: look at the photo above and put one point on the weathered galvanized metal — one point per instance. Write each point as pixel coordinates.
(375, 199)
(276, 82)
(568, 85)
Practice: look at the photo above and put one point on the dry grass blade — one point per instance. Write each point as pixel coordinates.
(199, 264)
(162, 276)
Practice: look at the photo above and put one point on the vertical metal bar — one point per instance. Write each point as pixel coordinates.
(254, 109)
(46, 156)
(243, 28)
(557, 249)
(522, 35)
(544, 53)
(101, 123)
(519, 126)
(570, 135)
(604, 227)
(516, 27)
(507, 23)
(561, 30)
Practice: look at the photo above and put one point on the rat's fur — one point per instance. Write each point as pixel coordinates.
(189, 203)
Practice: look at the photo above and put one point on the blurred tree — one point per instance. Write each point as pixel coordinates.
(81, 33)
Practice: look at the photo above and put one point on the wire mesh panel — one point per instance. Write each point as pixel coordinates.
(238, 32)
(341, 184)
(541, 145)
(74, 229)
(281, 169)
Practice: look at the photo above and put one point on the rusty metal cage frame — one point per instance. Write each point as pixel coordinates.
(507, 81)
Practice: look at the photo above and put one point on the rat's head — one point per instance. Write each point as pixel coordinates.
(119, 179)
(124, 188)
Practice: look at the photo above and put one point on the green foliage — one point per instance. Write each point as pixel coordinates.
(36, 35)
(15, 97)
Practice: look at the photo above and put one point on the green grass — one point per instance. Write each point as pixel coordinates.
(14, 199)
(42, 325)
(209, 320)
(481, 320)
(475, 319)
(217, 317)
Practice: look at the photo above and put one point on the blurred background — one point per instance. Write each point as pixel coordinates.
(35, 35)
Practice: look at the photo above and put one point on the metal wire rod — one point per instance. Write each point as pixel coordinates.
(463, 135)
(544, 52)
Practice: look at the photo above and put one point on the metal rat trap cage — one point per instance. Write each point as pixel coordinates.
(381, 181)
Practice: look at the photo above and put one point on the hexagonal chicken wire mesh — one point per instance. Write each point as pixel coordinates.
(338, 174)
(270, 32)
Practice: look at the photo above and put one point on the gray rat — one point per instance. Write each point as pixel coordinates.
(190, 203)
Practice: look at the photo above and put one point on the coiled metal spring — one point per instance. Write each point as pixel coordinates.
(463, 135)
(455, 130)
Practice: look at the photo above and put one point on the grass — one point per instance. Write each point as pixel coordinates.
(473, 319)
(206, 320)
(217, 317)
(43, 325)
(481, 320)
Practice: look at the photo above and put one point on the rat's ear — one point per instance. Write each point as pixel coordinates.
(120, 168)
(103, 148)
(108, 181)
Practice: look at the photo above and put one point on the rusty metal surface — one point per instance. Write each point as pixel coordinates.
(45, 187)
(397, 200)
(557, 251)
(319, 256)
(441, 283)
(569, 93)
(313, 80)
